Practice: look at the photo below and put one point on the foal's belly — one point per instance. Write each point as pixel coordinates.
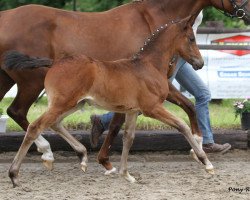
(115, 106)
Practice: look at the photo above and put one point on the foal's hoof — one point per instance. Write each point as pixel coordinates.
(48, 164)
(194, 156)
(128, 177)
(112, 171)
(210, 171)
(15, 182)
(84, 167)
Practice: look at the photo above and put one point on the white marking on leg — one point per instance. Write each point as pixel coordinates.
(208, 165)
(198, 139)
(128, 177)
(192, 153)
(194, 156)
(128, 137)
(83, 166)
(43, 147)
(111, 171)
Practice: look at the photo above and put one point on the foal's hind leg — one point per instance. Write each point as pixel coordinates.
(128, 138)
(75, 144)
(18, 111)
(34, 129)
(159, 113)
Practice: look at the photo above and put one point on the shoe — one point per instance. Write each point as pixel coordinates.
(216, 148)
(96, 130)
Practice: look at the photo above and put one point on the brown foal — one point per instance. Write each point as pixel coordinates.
(121, 31)
(126, 86)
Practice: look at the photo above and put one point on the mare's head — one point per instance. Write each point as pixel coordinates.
(235, 8)
(185, 43)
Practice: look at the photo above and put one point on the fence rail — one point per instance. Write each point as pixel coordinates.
(223, 47)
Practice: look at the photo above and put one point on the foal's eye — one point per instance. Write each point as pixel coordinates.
(192, 39)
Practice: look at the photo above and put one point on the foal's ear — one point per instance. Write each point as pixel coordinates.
(188, 21)
(191, 20)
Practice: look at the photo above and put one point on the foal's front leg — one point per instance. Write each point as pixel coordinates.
(175, 97)
(128, 138)
(179, 99)
(74, 143)
(159, 113)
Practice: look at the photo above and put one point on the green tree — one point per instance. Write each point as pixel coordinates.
(212, 14)
(96, 5)
(8, 4)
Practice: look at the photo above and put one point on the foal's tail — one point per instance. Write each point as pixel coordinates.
(14, 60)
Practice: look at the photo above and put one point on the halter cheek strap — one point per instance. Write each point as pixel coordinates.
(173, 61)
(239, 10)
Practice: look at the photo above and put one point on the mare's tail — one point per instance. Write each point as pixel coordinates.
(14, 60)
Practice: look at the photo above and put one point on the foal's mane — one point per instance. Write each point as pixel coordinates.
(152, 38)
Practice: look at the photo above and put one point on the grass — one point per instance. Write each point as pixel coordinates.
(222, 116)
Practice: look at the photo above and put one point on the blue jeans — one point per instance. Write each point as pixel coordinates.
(188, 79)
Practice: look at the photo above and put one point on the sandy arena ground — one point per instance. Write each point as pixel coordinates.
(160, 175)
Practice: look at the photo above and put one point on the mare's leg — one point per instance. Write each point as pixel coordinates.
(5, 84)
(18, 110)
(114, 129)
(128, 138)
(159, 113)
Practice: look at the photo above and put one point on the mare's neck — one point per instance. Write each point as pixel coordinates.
(158, 12)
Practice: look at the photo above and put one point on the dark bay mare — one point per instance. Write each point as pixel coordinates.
(48, 32)
(136, 84)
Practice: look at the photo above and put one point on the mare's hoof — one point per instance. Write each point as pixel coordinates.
(48, 164)
(112, 171)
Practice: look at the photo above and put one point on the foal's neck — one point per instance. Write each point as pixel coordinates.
(159, 49)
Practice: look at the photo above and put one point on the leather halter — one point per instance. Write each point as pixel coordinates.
(240, 11)
(173, 61)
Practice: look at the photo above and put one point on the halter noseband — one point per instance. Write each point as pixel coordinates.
(239, 10)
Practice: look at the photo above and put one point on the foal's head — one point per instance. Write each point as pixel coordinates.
(185, 43)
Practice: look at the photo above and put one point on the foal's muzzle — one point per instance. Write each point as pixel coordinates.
(197, 63)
